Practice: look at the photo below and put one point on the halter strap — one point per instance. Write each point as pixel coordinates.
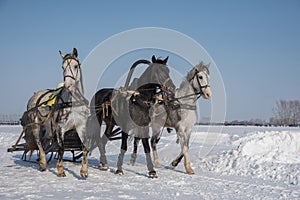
(201, 86)
(66, 58)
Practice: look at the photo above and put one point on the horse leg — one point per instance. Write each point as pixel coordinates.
(177, 160)
(152, 172)
(135, 146)
(84, 164)
(184, 137)
(185, 150)
(187, 162)
(103, 141)
(154, 141)
(59, 166)
(122, 153)
(158, 120)
(42, 155)
(82, 131)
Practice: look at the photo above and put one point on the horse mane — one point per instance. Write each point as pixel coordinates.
(202, 67)
(159, 60)
(199, 67)
(70, 56)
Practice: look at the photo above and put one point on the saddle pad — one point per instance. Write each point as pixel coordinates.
(52, 98)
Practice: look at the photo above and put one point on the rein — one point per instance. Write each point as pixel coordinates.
(188, 95)
(80, 100)
(197, 94)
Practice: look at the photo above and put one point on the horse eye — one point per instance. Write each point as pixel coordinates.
(76, 66)
(201, 77)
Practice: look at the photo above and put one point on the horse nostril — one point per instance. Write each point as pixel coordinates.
(69, 86)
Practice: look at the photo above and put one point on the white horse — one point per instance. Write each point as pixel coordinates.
(181, 113)
(67, 113)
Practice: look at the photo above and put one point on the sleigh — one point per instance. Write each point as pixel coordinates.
(72, 142)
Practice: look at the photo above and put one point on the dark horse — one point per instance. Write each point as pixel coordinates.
(128, 109)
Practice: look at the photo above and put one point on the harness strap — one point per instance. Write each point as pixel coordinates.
(188, 107)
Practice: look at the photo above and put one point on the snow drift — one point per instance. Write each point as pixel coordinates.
(267, 155)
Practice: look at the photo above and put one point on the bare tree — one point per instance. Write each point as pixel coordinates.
(287, 112)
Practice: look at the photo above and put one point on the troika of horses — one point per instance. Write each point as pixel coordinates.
(58, 120)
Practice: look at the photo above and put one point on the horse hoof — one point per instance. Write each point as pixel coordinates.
(61, 174)
(42, 169)
(157, 165)
(190, 172)
(153, 174)
(84, 174)
(120, 172)
(103, 167)
(174, 163)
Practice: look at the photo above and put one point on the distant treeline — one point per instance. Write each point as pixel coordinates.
(243, 123)
(13, 119)
(285, 113)
(10, 123)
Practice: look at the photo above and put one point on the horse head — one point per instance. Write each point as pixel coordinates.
(71, 70)
(199, 79)
(157, 72)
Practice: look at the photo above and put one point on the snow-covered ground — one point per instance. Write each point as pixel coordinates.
(230, 163)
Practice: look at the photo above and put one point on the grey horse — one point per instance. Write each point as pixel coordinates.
(68, 112)
(180, 112)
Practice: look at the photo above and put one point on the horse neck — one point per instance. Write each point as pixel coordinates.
(78, 94)
(80, 88)
(186, 89)
(79, 85)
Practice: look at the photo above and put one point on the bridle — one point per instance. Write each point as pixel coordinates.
(201, 87)
(68, 59)
(81, 100)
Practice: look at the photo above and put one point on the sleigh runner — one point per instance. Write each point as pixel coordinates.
(72, 144)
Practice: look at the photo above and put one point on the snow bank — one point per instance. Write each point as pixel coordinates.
(268, 155)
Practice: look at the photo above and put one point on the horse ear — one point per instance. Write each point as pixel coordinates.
(195, 70)
(62, 54)
(208, 65)
(153, 59)
(166, 60)
(75, 53)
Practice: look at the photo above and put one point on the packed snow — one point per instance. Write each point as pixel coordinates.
(230, 163)
(269, 155)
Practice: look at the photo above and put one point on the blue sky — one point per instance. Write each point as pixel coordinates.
(255, 44)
